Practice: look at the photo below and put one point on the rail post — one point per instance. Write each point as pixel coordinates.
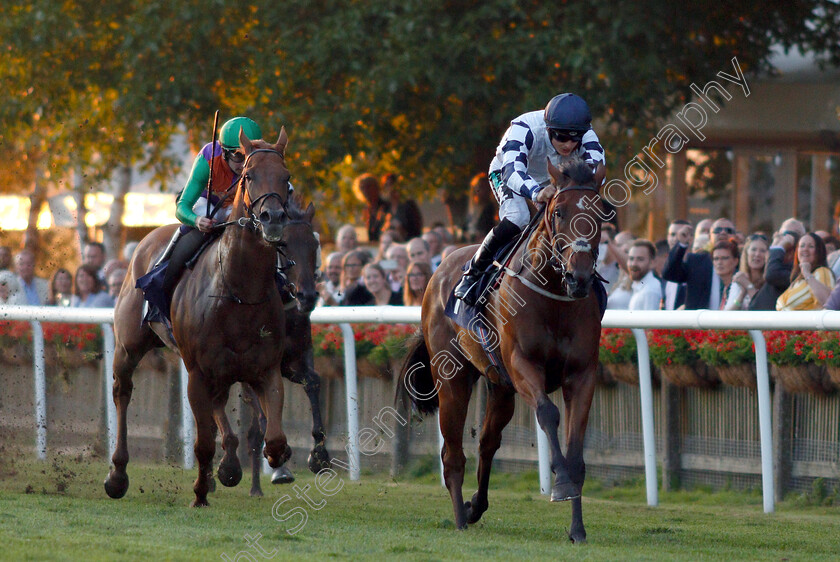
(352, 391)
(40, 389)
(648, 435)
(765, 422)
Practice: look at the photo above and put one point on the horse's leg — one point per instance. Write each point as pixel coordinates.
(454, 397)
(319, 458)
(205, 442)
(116, 485)
(256, 435)
(277, 449)
(230, 471)
(499, 411)
(577, 395)
(531, 385)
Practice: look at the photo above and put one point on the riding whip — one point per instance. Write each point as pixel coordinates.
(212, 161)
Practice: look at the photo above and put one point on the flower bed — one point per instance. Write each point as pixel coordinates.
(377, 347)
(618, 357)
(675, 353)
(731, 353)
(72, 344)
(826, 352)
(791, 355)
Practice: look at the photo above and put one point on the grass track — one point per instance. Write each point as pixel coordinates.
(378, 519)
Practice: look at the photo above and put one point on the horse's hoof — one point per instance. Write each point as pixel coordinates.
(199, 503)
(564, 492)
(282, 475)
(473, 512)
(116, 485)
(230, 475)
(256, 493)
(578, 538)
(319, 460)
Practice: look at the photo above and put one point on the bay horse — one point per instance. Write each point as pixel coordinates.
(545, 325)
(227, 320)
(301, 246)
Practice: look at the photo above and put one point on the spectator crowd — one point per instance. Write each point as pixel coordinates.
(713, 266)
(96, 282)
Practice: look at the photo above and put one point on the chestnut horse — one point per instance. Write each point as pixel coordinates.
(546, 325)
(227, 320)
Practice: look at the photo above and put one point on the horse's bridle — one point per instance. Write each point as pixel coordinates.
(556, 261)
(251, 221)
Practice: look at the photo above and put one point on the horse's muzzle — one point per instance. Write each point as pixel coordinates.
(272, 222)
(307, 300)
(577, 286)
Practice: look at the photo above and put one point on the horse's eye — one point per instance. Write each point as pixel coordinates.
(247, 177)
(559, 214)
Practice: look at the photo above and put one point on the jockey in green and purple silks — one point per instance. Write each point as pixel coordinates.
(227, 162)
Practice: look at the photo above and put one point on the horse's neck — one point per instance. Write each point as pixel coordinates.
(535, 260)
(245, 260)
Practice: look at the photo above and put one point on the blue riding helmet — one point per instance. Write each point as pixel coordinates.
(568, 112)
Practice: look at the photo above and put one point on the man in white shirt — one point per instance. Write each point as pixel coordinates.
(646, 288)
(35, 289)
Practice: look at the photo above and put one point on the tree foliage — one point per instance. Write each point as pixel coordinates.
(424, 88)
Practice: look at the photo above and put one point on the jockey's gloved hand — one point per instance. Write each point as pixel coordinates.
(545, 194)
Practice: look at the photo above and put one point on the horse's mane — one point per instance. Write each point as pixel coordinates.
(577, 170)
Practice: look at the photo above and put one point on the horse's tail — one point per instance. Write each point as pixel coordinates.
(416, 382)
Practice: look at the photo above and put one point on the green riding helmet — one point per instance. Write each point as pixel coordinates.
(229, 134)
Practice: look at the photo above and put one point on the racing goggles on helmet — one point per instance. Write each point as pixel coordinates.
(565, 136)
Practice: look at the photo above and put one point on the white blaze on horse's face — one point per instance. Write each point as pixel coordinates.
(575, 232)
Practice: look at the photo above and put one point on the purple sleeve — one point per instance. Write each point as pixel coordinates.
(833, 302)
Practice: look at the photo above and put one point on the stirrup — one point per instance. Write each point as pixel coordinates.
(466, 287)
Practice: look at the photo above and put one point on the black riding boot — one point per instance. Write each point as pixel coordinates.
(186, 247)
(501, 234)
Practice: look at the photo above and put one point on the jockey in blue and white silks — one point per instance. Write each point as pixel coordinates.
(519, 171)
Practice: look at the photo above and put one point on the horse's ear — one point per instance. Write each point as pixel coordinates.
(282, 141)
(245, 142)
(556, 175)
(310, 212)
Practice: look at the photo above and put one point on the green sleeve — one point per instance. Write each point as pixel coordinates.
(197, 182)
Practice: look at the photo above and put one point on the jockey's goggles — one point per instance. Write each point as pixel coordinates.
(233, 155)
(565, 136)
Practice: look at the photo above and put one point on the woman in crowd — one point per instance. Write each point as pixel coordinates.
(751, 270)
(376, 290)
(725, 264)
(61, 288)
(10, 290)
(87, 292)
(811, 279)
(351, 272)
(416, 279)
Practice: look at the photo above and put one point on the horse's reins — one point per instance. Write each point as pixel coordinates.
(555, 260)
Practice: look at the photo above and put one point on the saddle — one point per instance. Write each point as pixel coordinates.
(158, 284)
